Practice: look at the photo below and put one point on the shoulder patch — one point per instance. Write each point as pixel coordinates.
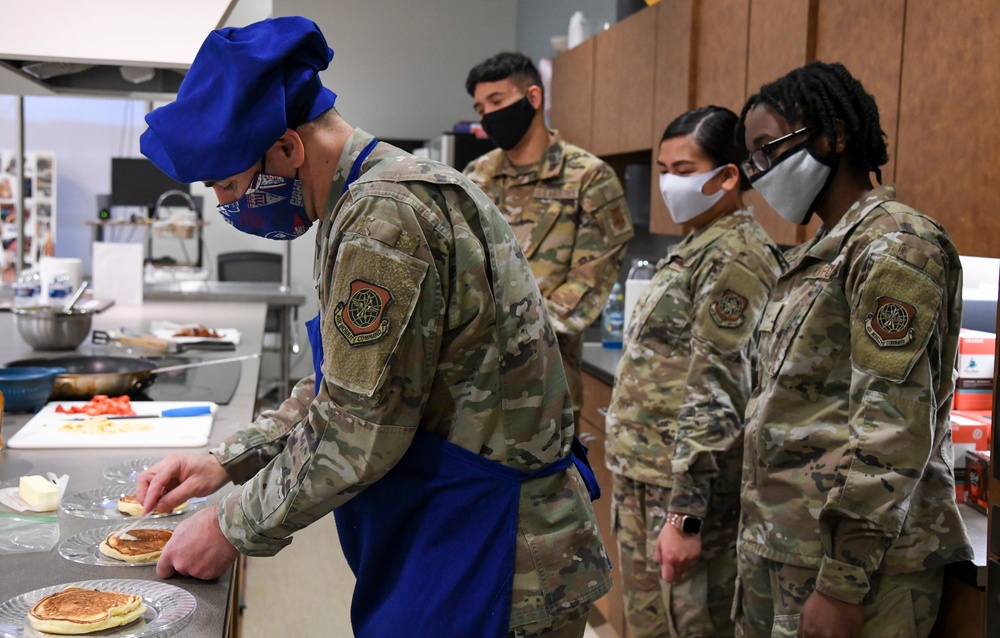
(894, 318)
(728, 315)
(371, 304)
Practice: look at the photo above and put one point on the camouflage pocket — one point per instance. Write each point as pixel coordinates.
(372, 300)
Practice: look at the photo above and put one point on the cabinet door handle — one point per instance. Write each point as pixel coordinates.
(603, 411)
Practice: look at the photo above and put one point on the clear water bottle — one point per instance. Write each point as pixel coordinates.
(27, 289)
(60, 288)
(613, 318)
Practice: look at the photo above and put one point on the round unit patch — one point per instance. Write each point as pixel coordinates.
(361, 319)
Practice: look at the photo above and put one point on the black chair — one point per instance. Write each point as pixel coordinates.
(254, 265)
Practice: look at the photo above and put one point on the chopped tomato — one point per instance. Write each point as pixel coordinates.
(101, 404)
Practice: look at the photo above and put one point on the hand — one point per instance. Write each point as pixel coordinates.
(676, 552)
(826, 617)
(198, 548)
(177, 478)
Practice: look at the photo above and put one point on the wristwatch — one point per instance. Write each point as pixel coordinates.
(685, 522)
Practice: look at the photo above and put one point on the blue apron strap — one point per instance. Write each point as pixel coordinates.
(579, 455)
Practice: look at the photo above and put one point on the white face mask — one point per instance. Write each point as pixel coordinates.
(791, 186)
(683, 197)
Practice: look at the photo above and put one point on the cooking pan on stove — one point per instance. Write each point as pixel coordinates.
(87, 376)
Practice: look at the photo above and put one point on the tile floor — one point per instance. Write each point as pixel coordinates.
(310, 582)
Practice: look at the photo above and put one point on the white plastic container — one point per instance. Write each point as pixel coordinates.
(579, 29)
(638, 279)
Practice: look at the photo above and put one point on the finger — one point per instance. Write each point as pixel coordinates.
(165, 566)
(657, 556)
(667, 571)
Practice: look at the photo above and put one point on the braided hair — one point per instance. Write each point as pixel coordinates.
(817, 95)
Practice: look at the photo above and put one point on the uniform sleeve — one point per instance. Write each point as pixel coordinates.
(898, 291)
(603, 230)
(380, 330)
(729, 301)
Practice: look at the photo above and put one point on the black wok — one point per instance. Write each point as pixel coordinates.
(87, 376)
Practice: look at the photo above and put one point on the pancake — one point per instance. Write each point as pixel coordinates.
(129, 505)
(75, 611)
(145, 549)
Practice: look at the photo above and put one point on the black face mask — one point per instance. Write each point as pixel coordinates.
(508, 125)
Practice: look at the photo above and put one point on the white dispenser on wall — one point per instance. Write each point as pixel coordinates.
(638, 278)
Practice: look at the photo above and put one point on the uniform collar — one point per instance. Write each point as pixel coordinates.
(696, 241)
(828, 243)
(550, 164)
(355, 144)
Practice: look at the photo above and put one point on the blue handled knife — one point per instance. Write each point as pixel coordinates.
(194, 410)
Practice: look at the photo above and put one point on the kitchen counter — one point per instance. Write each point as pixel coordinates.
(27, 572)
(283, 297)
(601, 363)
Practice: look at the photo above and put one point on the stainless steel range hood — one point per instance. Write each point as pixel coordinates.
(112, 48)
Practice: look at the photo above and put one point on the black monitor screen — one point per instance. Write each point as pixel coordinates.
(138, 182)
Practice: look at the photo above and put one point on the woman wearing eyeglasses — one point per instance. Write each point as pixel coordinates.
(848, 503)
(675, 421)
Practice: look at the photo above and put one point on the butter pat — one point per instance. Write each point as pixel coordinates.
(38, 492)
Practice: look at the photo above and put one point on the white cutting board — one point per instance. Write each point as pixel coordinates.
(43, 430)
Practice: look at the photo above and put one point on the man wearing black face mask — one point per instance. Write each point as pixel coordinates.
(566, 206)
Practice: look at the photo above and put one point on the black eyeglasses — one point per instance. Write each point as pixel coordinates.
(760, 159)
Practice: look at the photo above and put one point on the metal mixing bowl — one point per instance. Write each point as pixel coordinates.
(53, 327)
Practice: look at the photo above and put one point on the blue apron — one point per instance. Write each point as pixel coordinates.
(432, 542)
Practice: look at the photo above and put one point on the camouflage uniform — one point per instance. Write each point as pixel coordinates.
(569, 215)
(848, 462)
(675, 422)
(464, 350)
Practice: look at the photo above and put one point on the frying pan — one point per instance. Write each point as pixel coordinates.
(87, 376)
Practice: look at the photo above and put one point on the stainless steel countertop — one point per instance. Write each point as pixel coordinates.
(85, 467)
(602, 363)
(229, 291)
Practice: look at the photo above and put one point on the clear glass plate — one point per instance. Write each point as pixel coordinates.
(85, 547)
(168, 609)
(102, 504)
(127, 472)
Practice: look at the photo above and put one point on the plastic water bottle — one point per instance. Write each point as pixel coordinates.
(60, 288)
(638, 279)
(27, 289)
(613, 318)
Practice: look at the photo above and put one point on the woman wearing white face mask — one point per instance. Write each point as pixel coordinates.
(676, 416)
(848, 500)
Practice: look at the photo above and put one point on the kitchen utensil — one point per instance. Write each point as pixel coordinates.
(88, 376)
(75, 297)
(53, 327)
(26, 389)
(194, 410)
(146, 342)
(136, 522)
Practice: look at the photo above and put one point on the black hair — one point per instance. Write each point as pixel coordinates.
(820, 93)
(501, 66)
(713, 130)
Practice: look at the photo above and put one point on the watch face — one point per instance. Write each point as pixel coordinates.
(691, 525)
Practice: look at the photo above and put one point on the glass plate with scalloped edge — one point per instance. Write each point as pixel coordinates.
(127, 472)
(168, 609)
(102, 504)
(84, 547)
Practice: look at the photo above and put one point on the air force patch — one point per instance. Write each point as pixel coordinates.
(727, 310)
(890, 326)
(361, 319)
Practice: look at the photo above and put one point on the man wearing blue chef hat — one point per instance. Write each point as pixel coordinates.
(438, 425)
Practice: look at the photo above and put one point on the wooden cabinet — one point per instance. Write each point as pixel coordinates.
(596, 398)
(623, 85)
(947, 158)
(572, 96)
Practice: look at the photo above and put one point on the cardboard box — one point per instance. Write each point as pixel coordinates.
(977, 480)
(976, 353)
(970, 429)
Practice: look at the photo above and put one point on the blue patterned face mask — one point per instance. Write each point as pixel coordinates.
(271, 208)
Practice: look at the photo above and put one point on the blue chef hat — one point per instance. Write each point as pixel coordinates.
(244, 88)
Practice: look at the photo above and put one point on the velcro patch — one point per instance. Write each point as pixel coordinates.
(617, 221)
(371, 303)
(894, 318)
(735, 304)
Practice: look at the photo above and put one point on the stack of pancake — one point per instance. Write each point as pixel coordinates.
(75, 611)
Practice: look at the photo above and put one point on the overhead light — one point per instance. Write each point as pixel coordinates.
(46, 70)
(137, 74)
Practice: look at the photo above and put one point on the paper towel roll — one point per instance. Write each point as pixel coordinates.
(51, 267)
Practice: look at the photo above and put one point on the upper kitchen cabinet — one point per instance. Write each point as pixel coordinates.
(947, 157)
(624, 58)
(572, 96)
